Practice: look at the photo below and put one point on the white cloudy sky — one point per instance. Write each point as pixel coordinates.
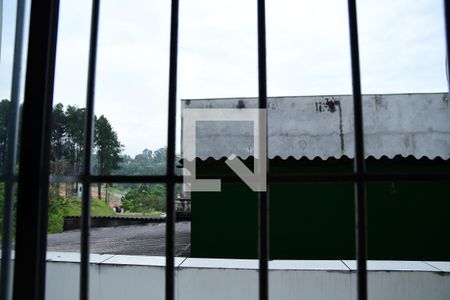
(402, 47)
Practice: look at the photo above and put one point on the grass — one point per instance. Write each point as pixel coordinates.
(62, 207)
(154, 213)
(98, 208)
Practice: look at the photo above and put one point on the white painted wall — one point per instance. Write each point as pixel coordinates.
(142, 277)
(394, 124)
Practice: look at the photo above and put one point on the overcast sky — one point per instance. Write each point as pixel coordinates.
(402, 46)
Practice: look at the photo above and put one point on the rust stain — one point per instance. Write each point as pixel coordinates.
(240, 104)
(341, 129)
(332, 105)
(380, 102)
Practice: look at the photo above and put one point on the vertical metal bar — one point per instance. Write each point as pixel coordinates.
(447, 31)
(31, 233)
(11, 154)
(170, 243)
(88, 136)
(1, 27)
(170, 203)
(360, 192)
(263, 197)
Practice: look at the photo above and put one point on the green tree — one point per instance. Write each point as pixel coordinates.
(108, 148)
(74, 136)
(67, 140)
(58, 132)
(2, 203)
(144, 198)
(147, 163)
(4, 111)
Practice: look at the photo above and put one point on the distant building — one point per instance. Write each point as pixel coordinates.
(404, 133)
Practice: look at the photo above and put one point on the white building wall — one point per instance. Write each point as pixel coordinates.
(322, 126)
(140, 277)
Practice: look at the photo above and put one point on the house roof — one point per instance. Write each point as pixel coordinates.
(322, 126)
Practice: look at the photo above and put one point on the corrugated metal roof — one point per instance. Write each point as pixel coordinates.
(322, 126)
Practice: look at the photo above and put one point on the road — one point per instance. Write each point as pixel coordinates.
(146, 239)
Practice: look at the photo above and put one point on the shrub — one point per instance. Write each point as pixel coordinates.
(145, 198)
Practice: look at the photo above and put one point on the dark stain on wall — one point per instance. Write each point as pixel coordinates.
(240, 104)
(332, 105)
(445, 99)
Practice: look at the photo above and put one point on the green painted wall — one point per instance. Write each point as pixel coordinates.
(406, 221)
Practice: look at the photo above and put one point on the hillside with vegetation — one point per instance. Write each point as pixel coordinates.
(66, 159)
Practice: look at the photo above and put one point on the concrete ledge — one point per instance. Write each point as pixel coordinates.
(383, 265)
(252, 264)
(73, 222)
(138, 277)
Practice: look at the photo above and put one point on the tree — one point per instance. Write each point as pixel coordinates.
(67, 138)
(67, 141)
(108, 148)
(145, 198)
(4, 111)
(58, 165)
(75, 136)
(147, 163)
(58, 132)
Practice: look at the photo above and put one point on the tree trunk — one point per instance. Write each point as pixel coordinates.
(67, 189)
(99, 190)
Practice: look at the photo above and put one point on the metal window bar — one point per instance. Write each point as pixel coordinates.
(263, 197)
(31, 230)
(11, 154)
(290, 178)
(1, 27)
(170, 167)
(447, 32)
(359, 162)
(33, 176)
(88, 135)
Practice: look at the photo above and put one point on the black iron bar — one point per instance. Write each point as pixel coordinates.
(88, 135)
(170, 242)
(171, 137)
(263, 197)
(1, 28)
(359, 163)
(32, 208)
(447, 31)
(11, 154)
(3, 178)
(425, 177)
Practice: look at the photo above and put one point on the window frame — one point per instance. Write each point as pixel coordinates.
(33, 178)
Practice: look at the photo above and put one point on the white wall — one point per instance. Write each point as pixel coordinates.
(140, 277)
(405, 124)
